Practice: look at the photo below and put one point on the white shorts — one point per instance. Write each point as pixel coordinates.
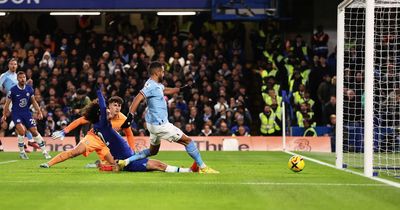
(166, 131)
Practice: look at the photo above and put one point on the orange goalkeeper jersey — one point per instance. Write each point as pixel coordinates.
(116, 123)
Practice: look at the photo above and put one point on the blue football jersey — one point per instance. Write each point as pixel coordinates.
(21, 98)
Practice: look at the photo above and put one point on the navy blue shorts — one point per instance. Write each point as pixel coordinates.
(25, 118)
(137, 165)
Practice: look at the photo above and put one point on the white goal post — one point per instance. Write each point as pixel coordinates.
(368, 86)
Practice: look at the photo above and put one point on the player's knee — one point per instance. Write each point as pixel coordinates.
(73, 153)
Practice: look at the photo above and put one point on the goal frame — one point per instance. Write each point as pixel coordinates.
(368, 85)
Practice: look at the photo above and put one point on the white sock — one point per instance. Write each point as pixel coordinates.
(21, 143)
(174, 169)
(185, 170)
(39, 140)
(171, 169)
(127, 161)
(203, 166)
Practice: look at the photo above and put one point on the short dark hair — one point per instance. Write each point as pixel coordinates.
(81, 91)
(20, 72)
(153, 66)
(116, 99)
(12, 59)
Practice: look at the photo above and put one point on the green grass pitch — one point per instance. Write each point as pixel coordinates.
(248, 180)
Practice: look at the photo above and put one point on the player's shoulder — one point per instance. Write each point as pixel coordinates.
(14, 88)
(121, 116)
(29, 87)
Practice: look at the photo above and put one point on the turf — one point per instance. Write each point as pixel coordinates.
(248, 180)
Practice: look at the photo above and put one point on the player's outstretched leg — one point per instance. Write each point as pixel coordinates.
(39, 140)
(63, 156)
(31, 142)
(156, 165)
(194, 152)
(153, 150)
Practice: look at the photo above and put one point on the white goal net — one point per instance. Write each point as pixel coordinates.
(385, 108)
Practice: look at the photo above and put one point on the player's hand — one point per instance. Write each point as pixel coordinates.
(98, 86)
(4, 118)
(58, 135)
(187, 86)
(128, 121)
(29, 82)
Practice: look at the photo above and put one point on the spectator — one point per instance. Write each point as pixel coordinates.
(223, 130)
(79, 100)
(206, 131)
(267, 118)
(308, 129)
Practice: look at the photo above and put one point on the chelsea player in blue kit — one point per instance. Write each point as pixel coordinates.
(119, 147)
(157, 120)
(21, 96)
(8, 80)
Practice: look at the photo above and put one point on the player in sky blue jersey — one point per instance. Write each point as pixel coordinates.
(119, 147)
(21, 96)
(157, 119)
(8, 80)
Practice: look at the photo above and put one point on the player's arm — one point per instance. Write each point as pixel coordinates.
(74, 124)
(103, 108)
(135, 103)
(36, 106)
(172, 91)
(129, 137)
(6, 110)
(2, 78)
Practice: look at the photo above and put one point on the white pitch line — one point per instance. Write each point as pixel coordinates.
(208, 183)
(9, 161)
(388, 182)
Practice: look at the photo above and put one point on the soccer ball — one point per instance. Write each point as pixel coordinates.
(296, 163)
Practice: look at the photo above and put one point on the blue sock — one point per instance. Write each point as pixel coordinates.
(140, 155)
(29, 135)
(192, 150)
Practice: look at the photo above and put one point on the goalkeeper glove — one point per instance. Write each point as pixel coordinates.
(58, 135)
(128, 121)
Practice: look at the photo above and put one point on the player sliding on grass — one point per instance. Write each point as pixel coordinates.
(157, 119)
(119, 147)
(21, 96)
(117, 120)
(90, 140)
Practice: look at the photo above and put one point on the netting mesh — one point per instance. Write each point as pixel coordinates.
(386, 90)
(386, 86)
(353, 84)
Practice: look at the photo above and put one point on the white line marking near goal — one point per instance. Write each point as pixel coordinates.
(9, 161)
(264, 184)
(388, 182)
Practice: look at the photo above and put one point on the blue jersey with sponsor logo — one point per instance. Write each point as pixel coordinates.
(20, 98)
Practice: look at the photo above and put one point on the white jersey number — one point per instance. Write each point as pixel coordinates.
(23, 102)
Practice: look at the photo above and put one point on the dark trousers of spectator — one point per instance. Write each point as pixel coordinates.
(77, 132)
(333, 143)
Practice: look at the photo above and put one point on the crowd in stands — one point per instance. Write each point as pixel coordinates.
(301, 75)
(66, 67)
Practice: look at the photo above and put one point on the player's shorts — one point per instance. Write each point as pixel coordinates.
(137, 165)
(25, 118)
(94, 144)
(166, 131)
